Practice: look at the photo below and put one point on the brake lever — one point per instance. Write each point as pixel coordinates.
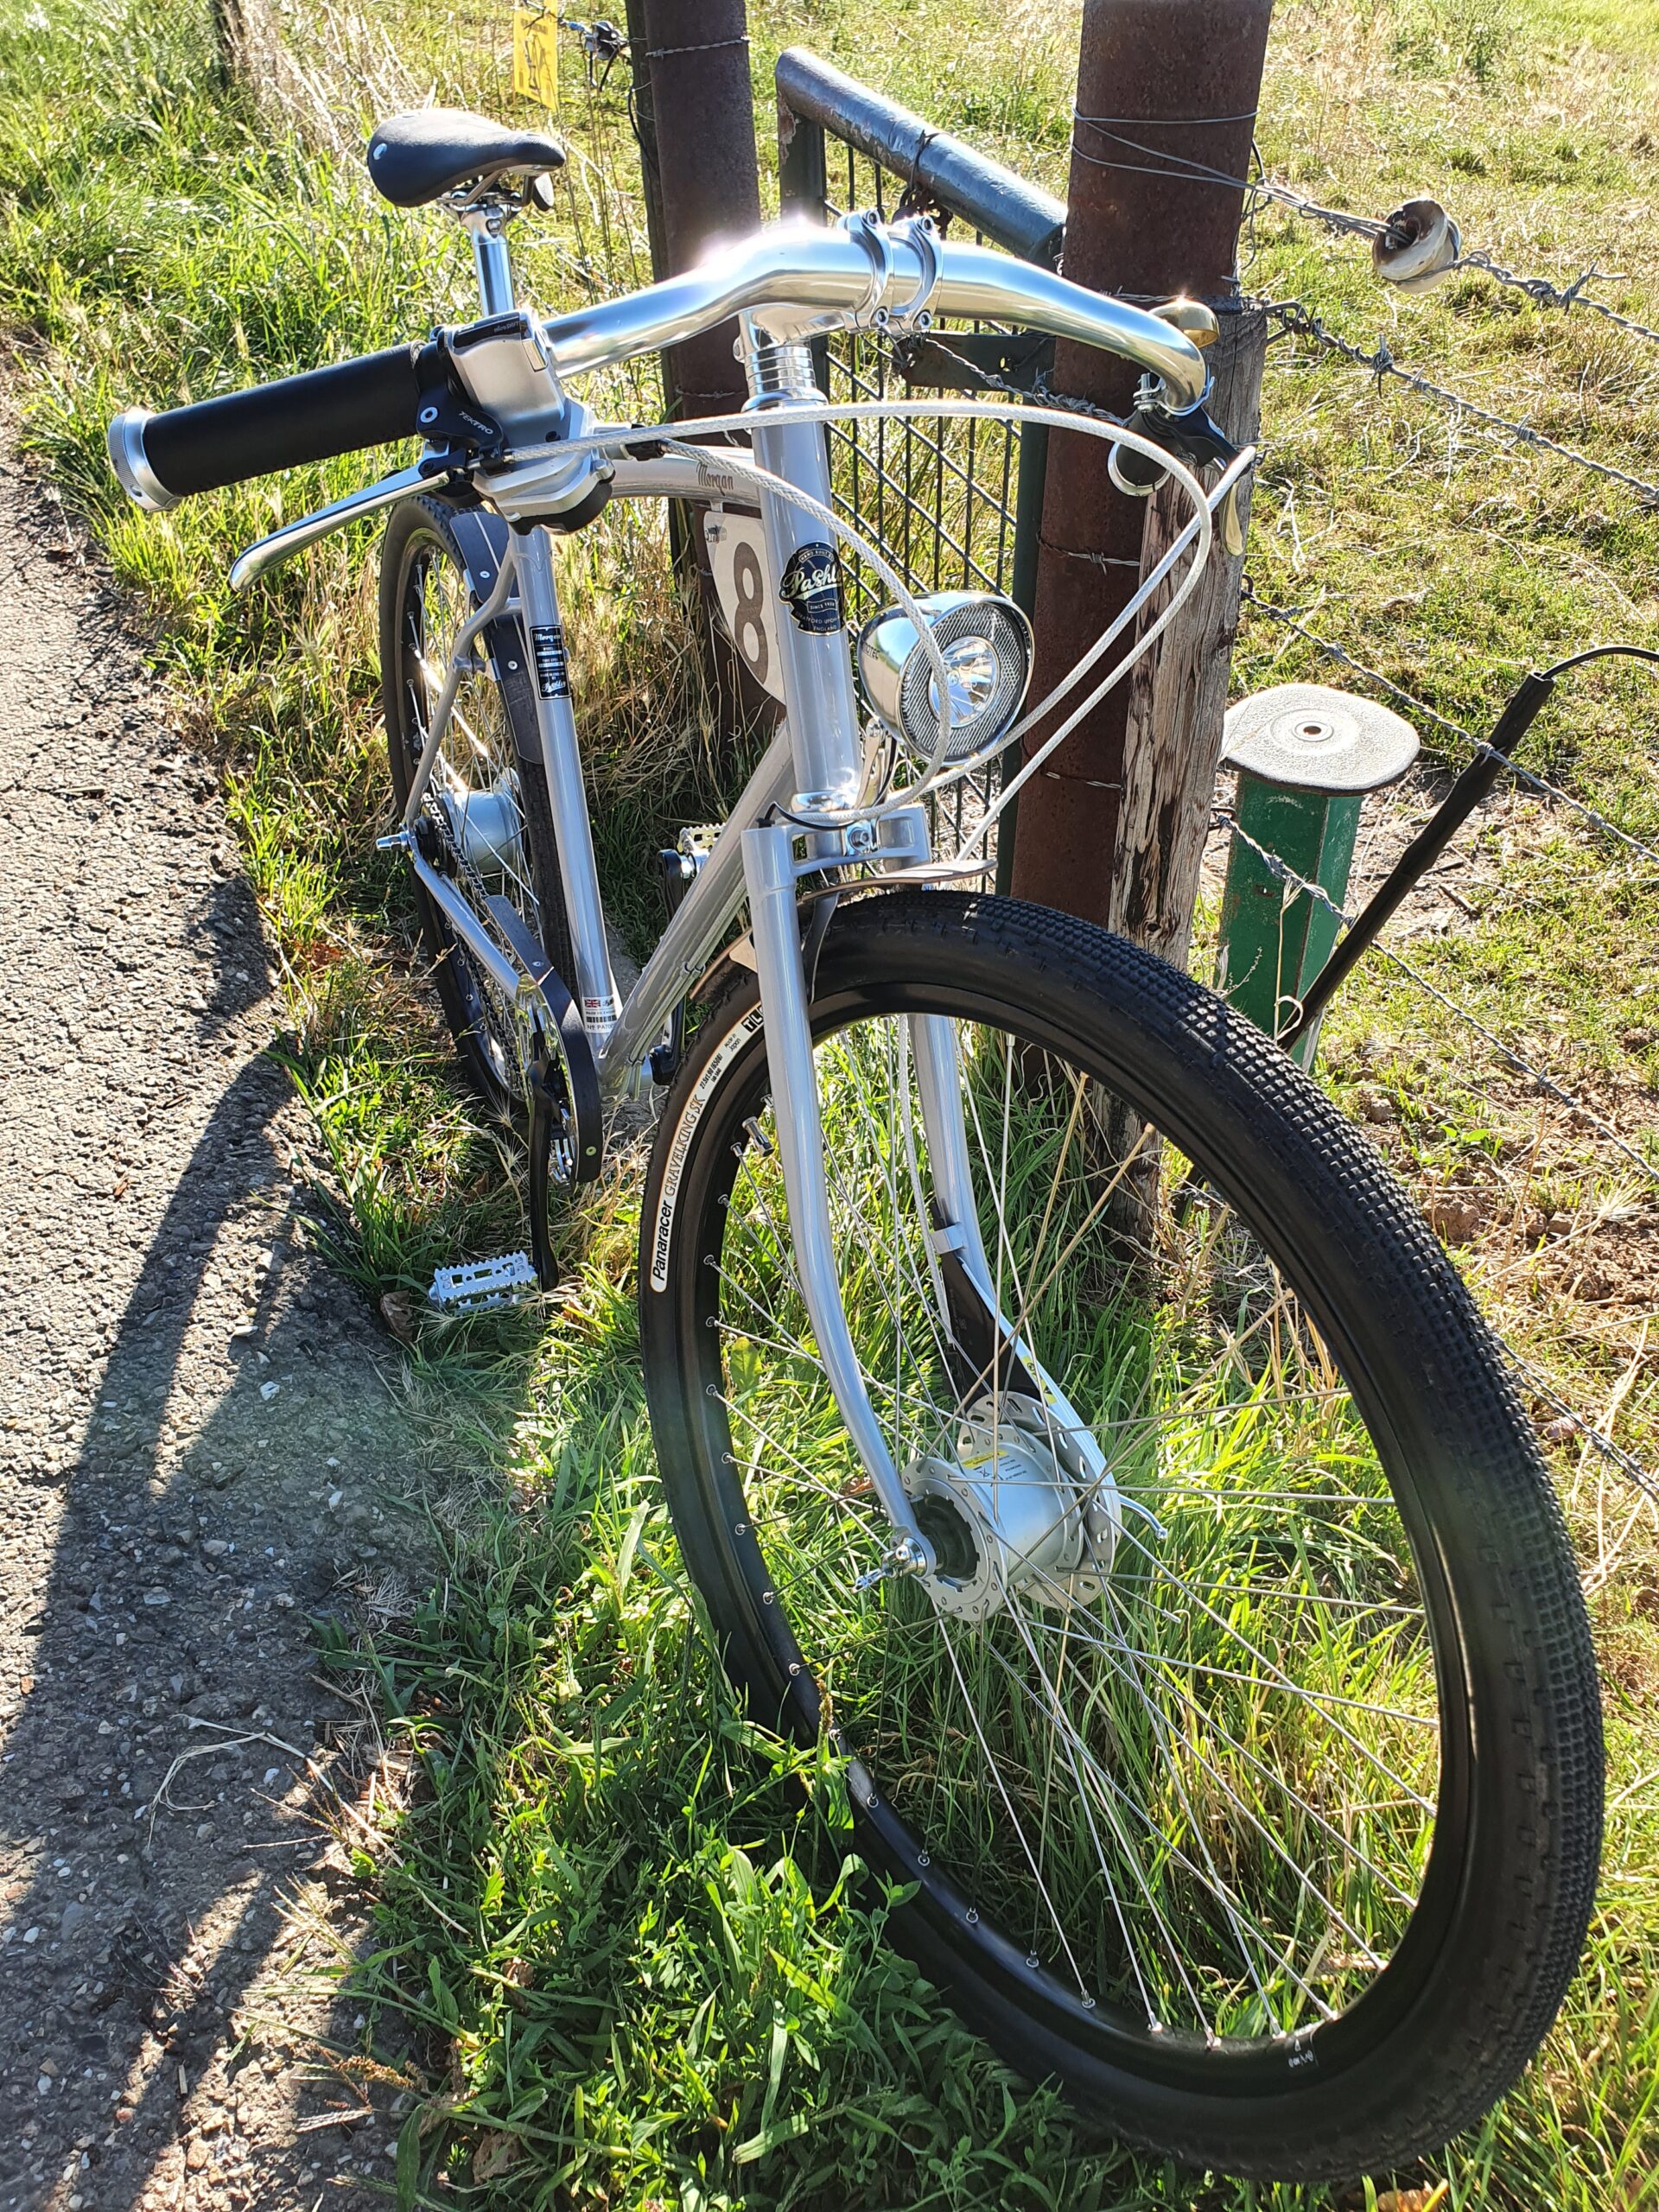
(1194, 438)
(294, 536)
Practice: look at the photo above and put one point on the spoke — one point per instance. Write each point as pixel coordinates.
(1070, 1746)
(1274, 1781)
(1232, 1674)
(1031, 1858)
(1127, 1536)
(1259, 1826)
(1224, 1895)
(1294, 1598)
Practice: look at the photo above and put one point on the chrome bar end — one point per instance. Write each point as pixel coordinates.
(138, 480)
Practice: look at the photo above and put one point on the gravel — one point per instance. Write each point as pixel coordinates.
(183, 1390)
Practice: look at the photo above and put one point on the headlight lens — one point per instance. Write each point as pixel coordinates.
(985, 644)
(971, 676)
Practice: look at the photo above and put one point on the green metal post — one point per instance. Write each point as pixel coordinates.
(1306, 757)
(1274, 940)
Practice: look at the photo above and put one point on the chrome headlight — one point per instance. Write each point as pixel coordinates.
(985, 643)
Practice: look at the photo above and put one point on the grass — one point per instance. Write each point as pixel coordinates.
(632, 1991)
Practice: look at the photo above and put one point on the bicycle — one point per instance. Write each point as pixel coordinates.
(1062, 1412)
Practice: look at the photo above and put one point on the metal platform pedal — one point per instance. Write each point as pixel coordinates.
(481, 1285)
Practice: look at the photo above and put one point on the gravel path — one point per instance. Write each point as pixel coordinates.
(197, 1439)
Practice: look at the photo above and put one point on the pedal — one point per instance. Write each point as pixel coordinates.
(483, 1285)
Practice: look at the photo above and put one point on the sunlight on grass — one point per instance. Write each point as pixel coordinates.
(642, 1977)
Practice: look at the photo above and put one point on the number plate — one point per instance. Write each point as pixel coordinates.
(737, 560)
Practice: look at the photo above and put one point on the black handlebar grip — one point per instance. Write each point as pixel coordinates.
(367, 402)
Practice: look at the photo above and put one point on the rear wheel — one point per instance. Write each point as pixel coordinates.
(485, 814)
(1244, 1746)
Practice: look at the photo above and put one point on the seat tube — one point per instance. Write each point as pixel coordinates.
(561, 760)
(816, 666)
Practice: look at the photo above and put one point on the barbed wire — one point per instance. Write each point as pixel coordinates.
(1226, 818)
(1544, 294)
(1328, 646)
(1299, 320)
(1530, 777)
(1547, 1389)
(1389, 230)
(1540, 290)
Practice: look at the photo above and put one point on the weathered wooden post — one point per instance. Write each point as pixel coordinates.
(1113, 828)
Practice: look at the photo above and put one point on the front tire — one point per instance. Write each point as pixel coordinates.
(1277, 1845)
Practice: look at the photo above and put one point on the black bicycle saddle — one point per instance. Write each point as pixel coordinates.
(418, 157)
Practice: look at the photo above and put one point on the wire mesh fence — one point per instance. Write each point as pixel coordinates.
(938, 501)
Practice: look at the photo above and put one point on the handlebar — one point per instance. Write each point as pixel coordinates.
(801, 279)
(806, 274)
(161, 459)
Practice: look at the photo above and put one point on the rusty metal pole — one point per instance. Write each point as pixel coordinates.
(696, 112)
(702, 109)
(1179, 80)
(645, 129)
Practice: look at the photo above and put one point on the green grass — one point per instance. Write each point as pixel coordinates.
(638, 1980)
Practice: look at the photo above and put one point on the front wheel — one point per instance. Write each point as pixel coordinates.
(1245, 1752)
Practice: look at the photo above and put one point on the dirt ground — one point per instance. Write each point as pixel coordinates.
(199, 1439)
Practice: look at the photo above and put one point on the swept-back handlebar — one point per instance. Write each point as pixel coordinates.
(795, 279)
(796, 275)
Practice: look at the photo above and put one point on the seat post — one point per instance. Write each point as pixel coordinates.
(488, 223)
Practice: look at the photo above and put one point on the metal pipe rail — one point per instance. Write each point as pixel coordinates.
(815, 96)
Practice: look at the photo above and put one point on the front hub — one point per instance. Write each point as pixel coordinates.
(1011, 1510)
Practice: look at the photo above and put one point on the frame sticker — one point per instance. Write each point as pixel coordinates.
(696, 1106)
(552, 672)
(811, 589)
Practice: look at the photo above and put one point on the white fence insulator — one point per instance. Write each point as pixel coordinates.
(1419, 246)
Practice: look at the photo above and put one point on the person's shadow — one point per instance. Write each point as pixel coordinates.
(175, 1619)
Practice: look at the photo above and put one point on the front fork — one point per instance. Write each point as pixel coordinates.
(770, 874)
(774, 923)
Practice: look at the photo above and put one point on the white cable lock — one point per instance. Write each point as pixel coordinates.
(1197, 535)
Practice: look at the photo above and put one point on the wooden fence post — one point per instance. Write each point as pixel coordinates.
(1166, 96)
(1177, 693)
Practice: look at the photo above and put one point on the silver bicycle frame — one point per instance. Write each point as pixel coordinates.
(816, 760)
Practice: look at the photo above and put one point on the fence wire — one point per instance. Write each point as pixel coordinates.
(1296, 319)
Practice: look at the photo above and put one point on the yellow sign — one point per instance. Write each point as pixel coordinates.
(536, 54)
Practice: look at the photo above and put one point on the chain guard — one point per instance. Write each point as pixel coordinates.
(563, 1075)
